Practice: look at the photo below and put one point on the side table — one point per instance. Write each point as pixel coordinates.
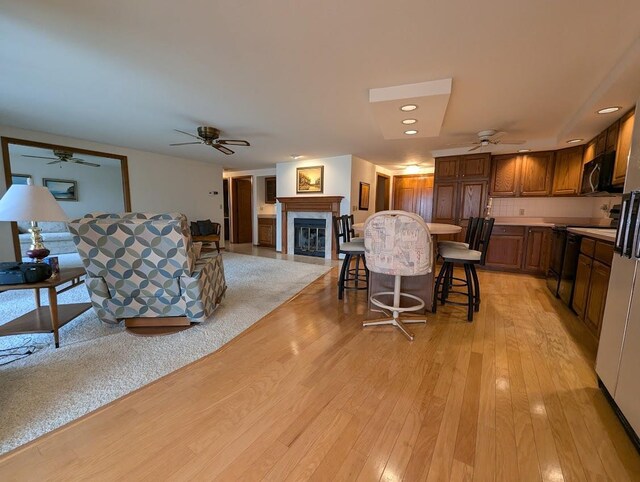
(47, 319)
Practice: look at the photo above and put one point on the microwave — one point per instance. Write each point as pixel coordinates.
(597, 176)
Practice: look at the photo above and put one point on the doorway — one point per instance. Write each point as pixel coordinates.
(414, 193)
(383, 190)
(241, 210)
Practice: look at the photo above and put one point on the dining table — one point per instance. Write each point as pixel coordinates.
(420, 286)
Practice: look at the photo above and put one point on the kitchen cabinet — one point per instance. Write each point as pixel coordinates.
(597, 296)
(537, 250)
(446, 168)
(506, 247)
(267, 232)
(474, 166)
(623, 148)
(270, 190)
(567, 172)
(612, 137)
(536, 174)
(445, 202)
(601, 143)
(472, 200)
(589, 151)
(581, 285)
(505, 172)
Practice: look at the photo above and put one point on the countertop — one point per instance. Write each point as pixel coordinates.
(267, 216)
(603, 234)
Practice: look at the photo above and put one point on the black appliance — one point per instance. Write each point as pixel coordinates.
(569, 267)
(597, 176)
(559, 237)
(628, 235)
(13, 273)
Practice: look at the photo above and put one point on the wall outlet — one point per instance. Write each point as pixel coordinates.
(355, 208)
(521, 212)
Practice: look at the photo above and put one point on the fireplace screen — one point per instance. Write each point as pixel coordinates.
(309, 237)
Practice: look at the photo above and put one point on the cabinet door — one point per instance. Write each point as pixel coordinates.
(505, 172)
(473, 199)
(567, 172)
(506, 247)
(475, 165)
(597, 296)
(445, 202)
(537, 174)
(589, 151)
(536, 256)
(581, 285)
(601, 143)
(446, 168)
(623, 149)
(266, 232)
(270, 190)
(612, 137)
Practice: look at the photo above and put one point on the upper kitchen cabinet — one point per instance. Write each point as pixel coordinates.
(623, 147)
(612, 137)
(601, 143)
(445, 204)
(537, 174)
(474, 166)
(567, 172)
(589, 151)
(447, 168)
(505, 173)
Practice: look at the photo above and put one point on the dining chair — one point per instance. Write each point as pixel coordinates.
(469, 258)
(397, 243)
(350, 278)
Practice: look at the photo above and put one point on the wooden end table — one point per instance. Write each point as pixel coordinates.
(47, 319)
(209, 240)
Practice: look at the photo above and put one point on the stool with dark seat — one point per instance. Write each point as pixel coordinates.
(469, 257)
(350, 278)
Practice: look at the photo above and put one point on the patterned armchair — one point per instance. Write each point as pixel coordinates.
(143, 265)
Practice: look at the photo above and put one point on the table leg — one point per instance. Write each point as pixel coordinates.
(53, 311)
(36, 295)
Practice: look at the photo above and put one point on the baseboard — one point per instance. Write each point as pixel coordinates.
(635, 440)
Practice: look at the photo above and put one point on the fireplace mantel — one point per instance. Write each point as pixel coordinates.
(309, 204)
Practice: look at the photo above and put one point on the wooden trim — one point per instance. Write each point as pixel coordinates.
(312, 204)
(5, 141)
(139, 322)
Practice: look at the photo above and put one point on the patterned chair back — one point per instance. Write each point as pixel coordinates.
(136, 254)
(397, 243)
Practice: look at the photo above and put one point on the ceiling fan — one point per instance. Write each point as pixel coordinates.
(490, 137)
(210, 137)
(64, 156)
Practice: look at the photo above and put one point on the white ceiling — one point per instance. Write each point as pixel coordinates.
(294, 76)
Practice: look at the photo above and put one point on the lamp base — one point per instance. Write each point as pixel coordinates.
(38, 254)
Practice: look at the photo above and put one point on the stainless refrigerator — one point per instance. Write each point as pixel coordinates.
(618, 361)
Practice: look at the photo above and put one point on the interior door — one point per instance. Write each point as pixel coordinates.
(414, 193)
(241, 201)
(383, 185)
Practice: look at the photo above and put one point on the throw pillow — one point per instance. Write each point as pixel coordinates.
(195, 231)
(197, 248)
(206, 227)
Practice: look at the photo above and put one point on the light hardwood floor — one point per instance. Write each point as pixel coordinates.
(307, 393)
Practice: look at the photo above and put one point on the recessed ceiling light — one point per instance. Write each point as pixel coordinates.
(574, 141)
(408, 122)
(408, 107)
(524, 150)
(609, 110)
(411, 132)
(295, 156)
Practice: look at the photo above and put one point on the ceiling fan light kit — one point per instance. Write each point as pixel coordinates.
(210, 136)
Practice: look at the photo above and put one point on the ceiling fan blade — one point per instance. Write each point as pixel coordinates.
(86, 163)
(185, 143)
(55, 162)
(475, 147)
(459, 144)
(38, 157)
(233, 142)
(187, 133)
(510, 142)
(224, 150)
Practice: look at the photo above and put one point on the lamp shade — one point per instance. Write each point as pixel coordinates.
(30, 203)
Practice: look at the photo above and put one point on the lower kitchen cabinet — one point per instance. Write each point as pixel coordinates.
(536, 255)
(598, 286)
(267, 232)
(519, 248)
(581, 284)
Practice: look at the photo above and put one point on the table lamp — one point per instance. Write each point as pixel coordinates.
(31, 203)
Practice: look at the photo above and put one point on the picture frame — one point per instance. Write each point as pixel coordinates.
(363, 197)
(62, 189)
(310, 180)
(20, 179)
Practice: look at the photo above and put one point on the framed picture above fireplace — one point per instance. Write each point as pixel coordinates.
(310, 180)
(363, 203)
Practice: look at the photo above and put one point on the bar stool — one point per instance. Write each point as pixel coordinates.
(468, 258)
(472, 238)
(350, 278)
(397, 243)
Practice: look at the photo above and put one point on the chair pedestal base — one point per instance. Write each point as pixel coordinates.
(397, 323)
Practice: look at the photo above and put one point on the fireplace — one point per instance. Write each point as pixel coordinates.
(309, 237)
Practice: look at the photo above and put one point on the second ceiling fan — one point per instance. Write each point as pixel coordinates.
(210, 136)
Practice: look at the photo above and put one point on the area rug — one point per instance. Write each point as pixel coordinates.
(98, 363)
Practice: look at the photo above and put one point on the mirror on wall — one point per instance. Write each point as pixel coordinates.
(82, 181)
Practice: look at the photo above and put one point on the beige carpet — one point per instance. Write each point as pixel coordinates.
(98, 363)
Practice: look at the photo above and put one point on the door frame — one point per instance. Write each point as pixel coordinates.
(387, 193)
(233, 202)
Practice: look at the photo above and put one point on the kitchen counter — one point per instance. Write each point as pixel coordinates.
(603, 234)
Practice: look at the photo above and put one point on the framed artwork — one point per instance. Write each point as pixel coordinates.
(309, 179)
(62, 189)
(363, 203)
(20, 179)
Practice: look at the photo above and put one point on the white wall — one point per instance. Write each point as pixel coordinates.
(337, 182)
(362, 171)
(99, 188)
(158, 183)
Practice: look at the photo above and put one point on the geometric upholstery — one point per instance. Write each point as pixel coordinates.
(144, 265)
